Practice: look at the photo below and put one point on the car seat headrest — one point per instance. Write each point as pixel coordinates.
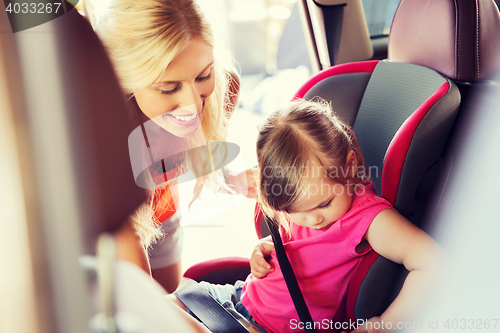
(458, 38)
(99, 126)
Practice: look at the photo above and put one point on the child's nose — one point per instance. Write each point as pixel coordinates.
(318, 218)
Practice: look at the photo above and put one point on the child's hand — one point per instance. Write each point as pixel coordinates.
(258, 263)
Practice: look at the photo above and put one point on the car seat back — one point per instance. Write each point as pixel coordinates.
(100, 124)
(72, 128)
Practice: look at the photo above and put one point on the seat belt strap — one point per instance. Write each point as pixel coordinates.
(291, 281)
(207, 309)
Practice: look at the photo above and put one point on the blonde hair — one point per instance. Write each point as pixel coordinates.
(142, 37)
(298, 138)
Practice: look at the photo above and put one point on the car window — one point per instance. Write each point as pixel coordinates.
(379, 14)
(265, 39)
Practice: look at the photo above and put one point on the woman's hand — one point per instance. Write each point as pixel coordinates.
(258, 263)
(245, 182)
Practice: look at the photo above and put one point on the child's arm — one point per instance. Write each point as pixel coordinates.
(397, 239)
(258, 263)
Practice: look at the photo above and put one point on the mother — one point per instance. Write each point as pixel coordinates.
(163, 54)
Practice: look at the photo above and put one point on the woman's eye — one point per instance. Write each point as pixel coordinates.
(204, 78)
(171, 91)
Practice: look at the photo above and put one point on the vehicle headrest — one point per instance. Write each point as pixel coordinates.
(99, 126)
(458, 38)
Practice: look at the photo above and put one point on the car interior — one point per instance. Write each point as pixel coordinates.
(401, 113)
(415, 99)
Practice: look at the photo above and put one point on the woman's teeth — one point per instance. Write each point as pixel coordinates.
(186, 118)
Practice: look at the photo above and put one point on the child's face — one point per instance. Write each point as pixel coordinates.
(326, 202)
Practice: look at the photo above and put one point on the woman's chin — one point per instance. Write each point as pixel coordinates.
(184, 132)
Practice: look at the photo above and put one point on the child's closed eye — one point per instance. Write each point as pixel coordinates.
(327, 204)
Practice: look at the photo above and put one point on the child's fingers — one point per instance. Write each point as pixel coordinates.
(260, 272)
(259, 262)
(259, 266)
(267, 248)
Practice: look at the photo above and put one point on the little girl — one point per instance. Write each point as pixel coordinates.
(313, 181)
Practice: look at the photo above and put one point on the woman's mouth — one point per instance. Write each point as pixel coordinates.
(184, 120)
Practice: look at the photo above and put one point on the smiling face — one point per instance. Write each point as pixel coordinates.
(327, 201)
(176, 100)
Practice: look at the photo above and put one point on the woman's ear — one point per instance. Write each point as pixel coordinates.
(352, 164)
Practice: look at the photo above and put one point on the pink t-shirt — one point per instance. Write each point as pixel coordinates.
(323, 262)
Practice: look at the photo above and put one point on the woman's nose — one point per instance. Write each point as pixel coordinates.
(190, 97)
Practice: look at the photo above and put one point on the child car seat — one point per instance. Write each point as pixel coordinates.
(402, 111)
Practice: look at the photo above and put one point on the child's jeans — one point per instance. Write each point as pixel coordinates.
(230, 298)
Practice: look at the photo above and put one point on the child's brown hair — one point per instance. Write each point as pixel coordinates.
(303, 137)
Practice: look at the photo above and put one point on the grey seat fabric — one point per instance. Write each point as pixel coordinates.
(393, 93)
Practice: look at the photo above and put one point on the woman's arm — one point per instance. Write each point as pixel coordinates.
(397, 239)
(182, 315)
(129, 247)
(169, 277)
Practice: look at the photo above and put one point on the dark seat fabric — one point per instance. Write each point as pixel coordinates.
(458, 38)
(99, 124)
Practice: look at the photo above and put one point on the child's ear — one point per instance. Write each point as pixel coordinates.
(352, 163)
